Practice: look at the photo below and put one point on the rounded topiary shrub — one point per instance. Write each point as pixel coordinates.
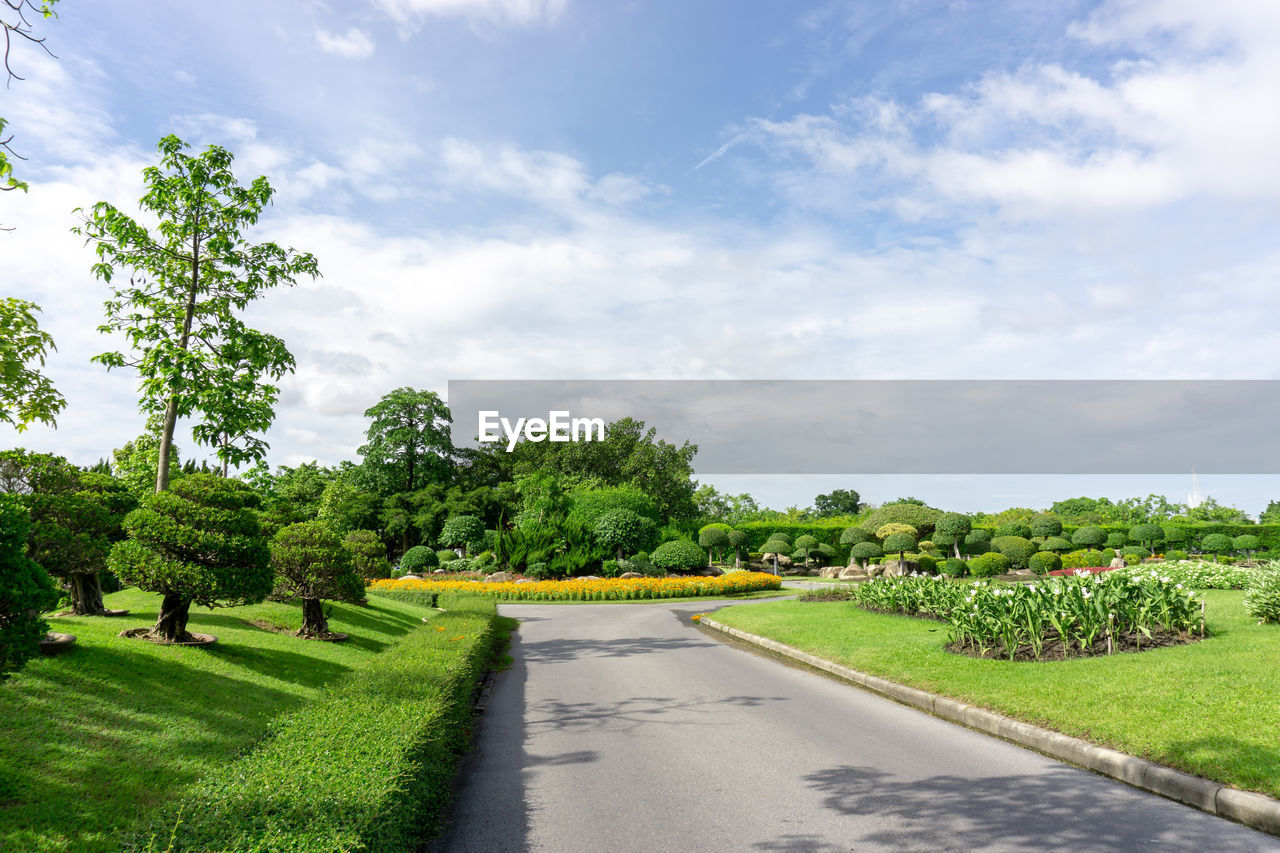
(1175, 555)
(482, 561)
(1017, 548)
(1045, 525)
(678, 555)
(955, 567)
(1133, 551)
(368, 554)
(444, 555)
(462, 531)
(989, 564)
(928, 564)
(1089, 537)
(312, 564)
(853, 535)
(623, 530)
(199, 542)
(864, 551)
(1117, 539)
(1043, 562)
(1055, 543)
(1013, 528)
(1216, 543)
(25, 590)
(421, 557)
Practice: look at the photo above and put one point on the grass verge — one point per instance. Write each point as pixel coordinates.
(100, 737)
(1211, 708)
(367, 766)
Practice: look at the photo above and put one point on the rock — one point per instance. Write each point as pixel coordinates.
(897, 568)
(500, 577)
(626, 576)
(830, 571)
(523, 580)
(411, 577)
(852, 573)
(590, 578)
(439, 572)
(783, 559)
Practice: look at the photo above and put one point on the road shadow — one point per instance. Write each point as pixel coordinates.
(1059, 809)
(638, 711)
(560, 651)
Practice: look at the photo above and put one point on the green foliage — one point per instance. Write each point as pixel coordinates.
(588, 505)
(1089, 537)
(1246, 542)
(185, 281)
(989, 564)
(1216, 543)
(951, 528)
(444, 555)
(25, 590)
(855, 535)
(900, 541)
(407, 442)
(678, 555)
(928, 564)
(1055, 543)
(977, 542)
(369, 766)
(955, 567)
(1147, 534)
(368, 554)
(1262, 600)
(1045, 525)
(1043, 562)
(864, 551)
(1016, 548)
(198, 542)
(345, 507)
(1019, 529)
(311, 563)
(462, 531)
(922, 518)
(1173, 554)
(1270, 515)
(26, 394)
(1133, 551)
(624, 530)
(1087, 558)
(1117, 539)
(421, 557)
(714, 538)
(839, 502)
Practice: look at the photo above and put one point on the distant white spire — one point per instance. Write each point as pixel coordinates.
(1195, 497)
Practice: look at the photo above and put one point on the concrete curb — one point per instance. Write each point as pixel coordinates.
(1254, 810)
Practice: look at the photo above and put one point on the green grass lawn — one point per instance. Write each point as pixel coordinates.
(98, 737)
(1211, 708)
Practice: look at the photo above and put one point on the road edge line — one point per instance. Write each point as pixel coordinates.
(1252, 809)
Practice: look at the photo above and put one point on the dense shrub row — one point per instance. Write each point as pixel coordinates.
(369, 766)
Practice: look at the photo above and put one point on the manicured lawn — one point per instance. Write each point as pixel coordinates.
(1210, 708)
(99, 737)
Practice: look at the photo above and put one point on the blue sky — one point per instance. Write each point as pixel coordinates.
(561, 189)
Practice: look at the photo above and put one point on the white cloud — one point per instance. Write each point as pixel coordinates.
(356, 44)
(407, 12)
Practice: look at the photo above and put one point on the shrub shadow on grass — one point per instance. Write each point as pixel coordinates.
(295, 667)
(99, 736)
(1059, 809)
(1226, 752)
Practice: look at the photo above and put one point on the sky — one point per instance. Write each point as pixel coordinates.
(556, 189)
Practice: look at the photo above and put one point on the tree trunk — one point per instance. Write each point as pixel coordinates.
(313, 622)
(172, 622)
(166, 443)
(86, 594)
(619, 553)
(171, 410)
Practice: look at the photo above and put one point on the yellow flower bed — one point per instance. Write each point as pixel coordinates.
(630, 589)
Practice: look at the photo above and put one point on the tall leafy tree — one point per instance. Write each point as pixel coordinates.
(17, 24)
(26, 395)
(408, 441)
(837, 502)
(187, 280)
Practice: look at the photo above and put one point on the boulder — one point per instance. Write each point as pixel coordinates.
(523, 580)
(500, 577)
(852, 573)
(439, 572)
(626, 576)
(783, 559)
(830, 571)
(897, 568)
(410, 577)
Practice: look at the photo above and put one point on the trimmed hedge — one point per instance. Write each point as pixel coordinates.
(368, 767)
(409, 596)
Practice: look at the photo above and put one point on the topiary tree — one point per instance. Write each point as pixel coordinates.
(75, 517)
(623, 530)
(823, 553)
(421, 557)
(1089, 537)
(988, 565)
(368, 554)
(444, 555)
(715, 539)
(977, 542)
(955, 567)
(1246, 542)
(1147, 535)
(737, 541)
(1046, 525)
(1017, 548)
(678, 555)
(1117, 539)
(1043, 562)
(1216, 543)
(950, 529)
(462, 532)
(805, 545)
(25, 590)
(311, 563)
(900, 542)
(1055, 544)
(775, 547)
(922, 518)
(199, 542)
(1013, 528)
(864, 551)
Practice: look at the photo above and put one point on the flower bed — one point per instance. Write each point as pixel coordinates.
(1077, 615)
(616, 589)
(1201, 574)
(1093, 570)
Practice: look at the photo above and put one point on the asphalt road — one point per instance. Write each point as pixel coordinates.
(626, 728)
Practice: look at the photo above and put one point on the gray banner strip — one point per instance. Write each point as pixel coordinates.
(906, 426)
